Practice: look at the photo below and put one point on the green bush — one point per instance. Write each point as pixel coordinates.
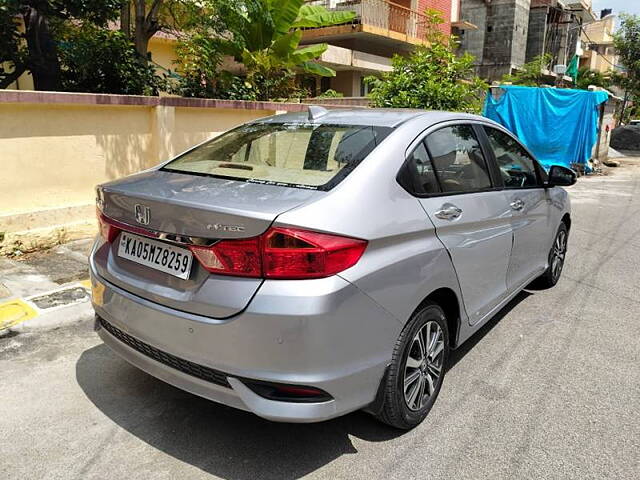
(432, 77)
(99, 60)
(330, 93)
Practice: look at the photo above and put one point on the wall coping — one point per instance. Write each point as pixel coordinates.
(68, 98)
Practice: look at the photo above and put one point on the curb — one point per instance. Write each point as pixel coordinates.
(67, 304)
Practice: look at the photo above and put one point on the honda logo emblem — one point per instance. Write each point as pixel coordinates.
(143, 214)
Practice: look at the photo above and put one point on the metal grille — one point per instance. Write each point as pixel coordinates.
(185, 366)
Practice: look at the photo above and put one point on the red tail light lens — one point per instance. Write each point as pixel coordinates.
(292, 253)
(232, 257)
(108, 231)
(283, 253)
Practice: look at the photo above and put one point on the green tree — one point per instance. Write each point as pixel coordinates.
(627, 44)
(28, 36)
(530, 74)
(13, 56)
(140, 20)
(200, 49)
(101, 60)
(266, 40)
(587, 77)
(431, 77)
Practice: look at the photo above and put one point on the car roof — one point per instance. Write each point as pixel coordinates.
(378, 117)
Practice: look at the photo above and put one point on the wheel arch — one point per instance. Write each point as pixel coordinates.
(566, 219)
(448, 300)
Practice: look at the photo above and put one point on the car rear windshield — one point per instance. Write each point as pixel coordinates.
(291, 154)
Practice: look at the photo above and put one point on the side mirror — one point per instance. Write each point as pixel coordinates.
(561, 177)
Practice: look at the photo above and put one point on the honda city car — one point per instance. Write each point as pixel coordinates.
(306, 265)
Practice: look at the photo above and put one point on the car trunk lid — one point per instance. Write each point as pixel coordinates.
(191, 209)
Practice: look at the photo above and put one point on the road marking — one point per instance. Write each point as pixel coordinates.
(19, 310)
(14, 312)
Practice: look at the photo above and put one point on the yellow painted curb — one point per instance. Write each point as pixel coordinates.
(86, 284)
(14, 312)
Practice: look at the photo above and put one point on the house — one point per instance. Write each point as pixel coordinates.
(513, 32)
(364, 47)
(599, 53)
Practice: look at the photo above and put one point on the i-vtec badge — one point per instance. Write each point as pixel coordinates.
(219, 227)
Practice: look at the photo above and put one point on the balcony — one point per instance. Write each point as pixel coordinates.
(380, 26)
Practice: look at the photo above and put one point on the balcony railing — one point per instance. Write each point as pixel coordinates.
(381, 14)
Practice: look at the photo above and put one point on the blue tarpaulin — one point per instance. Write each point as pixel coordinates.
(560, 126)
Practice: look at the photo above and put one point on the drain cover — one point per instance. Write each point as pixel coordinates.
(61, 297)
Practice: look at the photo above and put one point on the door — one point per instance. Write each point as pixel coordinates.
(530, 207)
(471, 217)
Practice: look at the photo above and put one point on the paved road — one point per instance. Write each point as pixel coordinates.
(550, 389)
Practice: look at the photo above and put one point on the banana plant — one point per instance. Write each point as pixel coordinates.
(270, 34)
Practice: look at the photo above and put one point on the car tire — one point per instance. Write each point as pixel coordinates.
(556, 259)
(409, 369)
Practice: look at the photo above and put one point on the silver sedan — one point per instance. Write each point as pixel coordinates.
(306, 265)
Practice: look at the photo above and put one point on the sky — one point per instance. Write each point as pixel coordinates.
(618, 6)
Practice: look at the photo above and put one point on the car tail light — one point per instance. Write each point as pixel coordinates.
(107, 229)
(292, 253)
(231, 257)
(283, 253)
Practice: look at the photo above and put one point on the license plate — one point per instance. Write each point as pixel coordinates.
(175, 261)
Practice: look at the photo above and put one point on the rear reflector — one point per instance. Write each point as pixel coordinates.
(288, 393)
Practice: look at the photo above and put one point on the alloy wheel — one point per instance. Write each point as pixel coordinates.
(423, 367)
(558, 253)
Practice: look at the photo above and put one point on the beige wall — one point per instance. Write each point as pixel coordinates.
(599, 31)
(53, 154)
(347, 82)
(163, 52)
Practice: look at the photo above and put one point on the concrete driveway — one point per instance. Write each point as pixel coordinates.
(548, 389)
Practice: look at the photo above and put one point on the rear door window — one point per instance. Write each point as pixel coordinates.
(301, 155)
(458, 160)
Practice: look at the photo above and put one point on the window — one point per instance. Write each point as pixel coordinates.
(458, 160)
(325, 84)
(296, 154)
(517, 168)
(418, 176)
(365, 88)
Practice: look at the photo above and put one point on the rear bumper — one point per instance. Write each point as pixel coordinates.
(321, 333)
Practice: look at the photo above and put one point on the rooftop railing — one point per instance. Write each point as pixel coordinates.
(381, 14)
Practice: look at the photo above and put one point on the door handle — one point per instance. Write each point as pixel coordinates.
(517, 204)
(448, 212)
